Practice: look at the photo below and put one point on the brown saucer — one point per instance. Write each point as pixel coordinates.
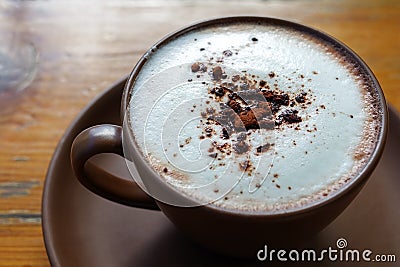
(82, 229)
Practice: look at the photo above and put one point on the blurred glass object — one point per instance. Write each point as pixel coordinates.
(18, 57)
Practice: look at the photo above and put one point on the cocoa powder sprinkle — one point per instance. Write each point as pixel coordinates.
(246, 103)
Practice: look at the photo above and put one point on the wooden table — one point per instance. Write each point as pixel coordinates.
(84, 46)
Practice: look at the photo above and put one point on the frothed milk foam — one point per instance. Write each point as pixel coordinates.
(316, 122)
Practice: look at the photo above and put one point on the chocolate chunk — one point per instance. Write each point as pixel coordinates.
(289, 116)
(195, 67)
(235, 105)
(282, 99)
(198, 67)
(218, 91)
(254, 106)
(248, 119)
(217, 73)
(269, 95)
(276, 98)
(251, 118)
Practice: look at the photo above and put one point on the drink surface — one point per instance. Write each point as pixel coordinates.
(253, 117)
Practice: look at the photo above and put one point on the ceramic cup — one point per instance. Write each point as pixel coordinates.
(229, 232)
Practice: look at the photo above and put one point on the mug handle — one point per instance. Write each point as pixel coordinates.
(106, 138)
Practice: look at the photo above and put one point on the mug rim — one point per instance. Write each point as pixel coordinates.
(356, 180)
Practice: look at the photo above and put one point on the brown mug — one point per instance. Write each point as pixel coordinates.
(236, 233)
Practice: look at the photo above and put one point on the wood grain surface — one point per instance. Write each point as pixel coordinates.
(84, 46)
